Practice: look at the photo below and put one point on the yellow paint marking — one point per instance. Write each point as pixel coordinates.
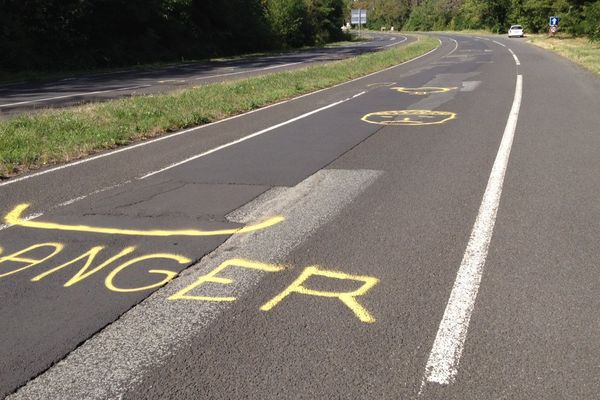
(83, 273)
(409, 117)
(15, 257)
(348, 298)
(423, 91)
(212, 277)
(169, 275)
(14, 218)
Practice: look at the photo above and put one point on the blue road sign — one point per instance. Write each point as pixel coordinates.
(554, 21)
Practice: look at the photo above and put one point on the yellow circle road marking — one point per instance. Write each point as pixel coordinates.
(423, 91)
(14, 218)
(409, 117)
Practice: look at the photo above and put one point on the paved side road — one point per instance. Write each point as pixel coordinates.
(18, 98)
(427, 232)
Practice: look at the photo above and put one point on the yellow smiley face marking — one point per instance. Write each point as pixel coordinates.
(15, 218)
(423, 91)
(409, 117)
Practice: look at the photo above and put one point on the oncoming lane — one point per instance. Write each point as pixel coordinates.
(16, 98)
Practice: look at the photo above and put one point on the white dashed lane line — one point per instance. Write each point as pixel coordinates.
(186, 131)
(72, 95)
(247, 71)
(515, 57)
(248, 137)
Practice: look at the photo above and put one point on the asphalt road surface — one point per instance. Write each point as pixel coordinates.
(23, 97)
(430, 231)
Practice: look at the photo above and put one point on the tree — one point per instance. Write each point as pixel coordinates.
(34, 32)
(288, 19)
(431, 15)
(325, 18)
(388, 13)
(591, 22)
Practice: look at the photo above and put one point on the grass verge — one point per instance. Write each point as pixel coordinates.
(578, 50)
(55, 136)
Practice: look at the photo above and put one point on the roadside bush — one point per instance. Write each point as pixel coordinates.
(592, 21)
(288, 21)
(79, 34)
(425, 17)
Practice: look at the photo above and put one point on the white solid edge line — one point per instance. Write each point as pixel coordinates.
(442, 365)
(395, 43)
(455, 46)
(145, 143)
(141, 86)
(246, 72)
(73, 95)
(252, 135)
(515, 57)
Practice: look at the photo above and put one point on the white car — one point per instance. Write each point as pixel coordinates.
(515, 31)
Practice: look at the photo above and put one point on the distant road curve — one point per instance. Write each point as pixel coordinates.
(21, 97)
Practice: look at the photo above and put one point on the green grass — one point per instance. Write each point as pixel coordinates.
(579, 50)
(56, 136)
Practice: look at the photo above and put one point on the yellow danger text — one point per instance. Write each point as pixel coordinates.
(213, 277)
(348, 298)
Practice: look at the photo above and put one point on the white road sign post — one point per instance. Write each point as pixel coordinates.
(358, 16)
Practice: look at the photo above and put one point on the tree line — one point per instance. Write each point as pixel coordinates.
(73, 34)
(69, 34)
(578, 17)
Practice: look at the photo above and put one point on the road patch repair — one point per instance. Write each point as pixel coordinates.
(146, 334)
